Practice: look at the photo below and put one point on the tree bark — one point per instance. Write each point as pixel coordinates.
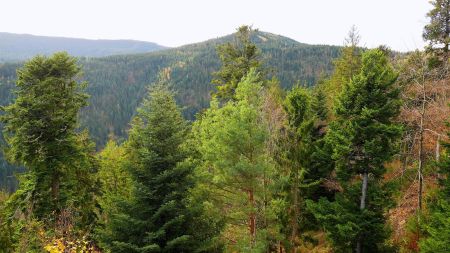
(362, 206)
(420, 155)
(438, 148)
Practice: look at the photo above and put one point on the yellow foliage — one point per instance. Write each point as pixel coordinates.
(60, 245)
(56, 246)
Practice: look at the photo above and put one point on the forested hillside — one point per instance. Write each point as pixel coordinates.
(248, 143)
(19, 47)
(117, 84)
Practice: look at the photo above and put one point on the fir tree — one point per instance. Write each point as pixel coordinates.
(363, 138)
(40, 130)
(156, 219)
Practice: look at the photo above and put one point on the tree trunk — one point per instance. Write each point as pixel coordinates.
(420, 155)
(438, 148)
(362, 206)
(252, 218)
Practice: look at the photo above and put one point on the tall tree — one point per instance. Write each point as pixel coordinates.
(40, 128)
(156, 219)
(237, 59)
(303, 143)
(437, 32)
(232, 141)
(363, 138)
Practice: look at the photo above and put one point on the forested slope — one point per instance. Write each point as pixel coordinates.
(118, 83)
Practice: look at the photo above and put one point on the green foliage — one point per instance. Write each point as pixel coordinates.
(5, 227)
(116, 186)
(237, 59)
(344, 222)
(437, 32)
(117, 84)
(156, 219)
(345, 67)
(305, 158)
(235, 169)
(40, 133)
(40, 126)
(363, 139)
(364, 133)
(437, 224)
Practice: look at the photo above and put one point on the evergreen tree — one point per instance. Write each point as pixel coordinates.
(40, 130)
(156, 219)
(5, 226)
(116, 187)
(304, 150)
(363, 138)
(236, 168)
(437, 225)
(237, 59)
(345, 67)
(437, 32)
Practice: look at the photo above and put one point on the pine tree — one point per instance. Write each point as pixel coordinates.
(237, 59)
(156, 219)
(232, 143)
(363, 138)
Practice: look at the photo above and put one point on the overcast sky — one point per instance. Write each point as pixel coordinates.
(396, 23)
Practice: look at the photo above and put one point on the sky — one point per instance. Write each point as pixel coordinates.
(395, 23)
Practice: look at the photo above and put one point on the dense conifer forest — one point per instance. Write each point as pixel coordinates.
(251, 142)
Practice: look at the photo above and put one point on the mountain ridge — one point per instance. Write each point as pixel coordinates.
(16, 47)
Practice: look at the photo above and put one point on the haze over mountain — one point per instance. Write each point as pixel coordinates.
(17, 47)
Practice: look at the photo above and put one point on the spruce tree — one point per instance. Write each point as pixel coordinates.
(363, 139)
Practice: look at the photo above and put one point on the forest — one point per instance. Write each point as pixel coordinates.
(247, 143)
(117, 84)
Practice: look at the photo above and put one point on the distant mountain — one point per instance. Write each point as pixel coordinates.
(18, 47)
(117, 84)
